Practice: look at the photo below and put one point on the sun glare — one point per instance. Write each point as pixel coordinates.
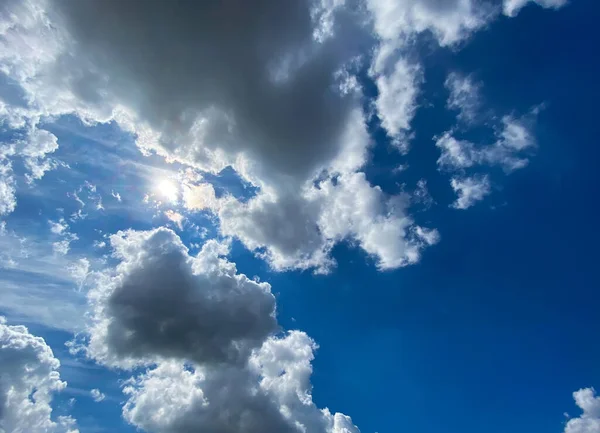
(167, 190)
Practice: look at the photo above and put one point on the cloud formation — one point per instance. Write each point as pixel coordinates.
(470, 190)
(208, 334)
(512, 7)
(589, 420)
(514, 142)
(265, 88)
(28, 379)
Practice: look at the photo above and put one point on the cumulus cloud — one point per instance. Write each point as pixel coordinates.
(470, 190)
(96, 395)
(449, 21)
(28, 379)
(208, 335)
(298, 231)
(512, 7)
(589, 420)
(166, 303)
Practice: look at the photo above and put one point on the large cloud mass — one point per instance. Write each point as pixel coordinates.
(208, 335)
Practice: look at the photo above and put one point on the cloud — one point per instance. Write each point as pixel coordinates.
(589, 420)
(176, 218)
(396, 102)
(209, 313)
(207, 335)
(267, 99)
(268, 90)
(96, 395)
(512, 7)
(470, 190)
(298, 231)
(8, 200)
(61, 229)
(116, 195)
(28, 379)
(79, 270)
(464, 96)
(37, 285)
(514, 142)
(450, 21)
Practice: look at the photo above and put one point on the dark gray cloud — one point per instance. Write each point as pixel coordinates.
(252, 70)
(165, 303)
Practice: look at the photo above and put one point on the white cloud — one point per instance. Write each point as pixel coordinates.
(28, 379)
(464, 96)
(8, 200)
(449, 21)
(299, 231)
(470, 190)
(34, 148)
(510, 150)
(589, 420)
(206, 332)
(512, 7)
(396, 102)
(61, 229)
(116, 195)
(96, 395)
(58, 227)
(79, 270)
(176, 218)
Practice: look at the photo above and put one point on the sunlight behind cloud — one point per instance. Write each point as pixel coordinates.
(167, 190)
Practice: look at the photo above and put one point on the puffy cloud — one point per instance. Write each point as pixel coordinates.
(512, 7)
(207, 334)
(164, 303)
(8, 200)
(35, 147)
(464, 96)
(396, 102)
(298, 231)
(589, 420)
(449, 21)
(357, 211)
(514, 140)
(96, 395)
(470, 190)
(28, 378)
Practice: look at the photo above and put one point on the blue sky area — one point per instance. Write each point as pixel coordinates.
(449, 278)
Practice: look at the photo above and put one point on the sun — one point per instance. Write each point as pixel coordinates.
(167, 190)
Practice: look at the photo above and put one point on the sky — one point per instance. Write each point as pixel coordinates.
(322, 216)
